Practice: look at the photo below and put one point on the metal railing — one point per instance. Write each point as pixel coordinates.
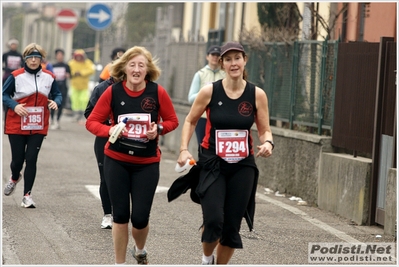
(299, 80)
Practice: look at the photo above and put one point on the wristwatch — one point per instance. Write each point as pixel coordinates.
(160, 129)
(271, 142)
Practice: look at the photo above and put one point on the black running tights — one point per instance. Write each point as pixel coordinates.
(25, 148)
(99, 144)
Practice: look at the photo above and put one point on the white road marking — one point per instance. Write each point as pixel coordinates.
(161, 189)
(94, 189)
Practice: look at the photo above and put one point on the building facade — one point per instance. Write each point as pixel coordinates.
(347, 22)
(367, 22)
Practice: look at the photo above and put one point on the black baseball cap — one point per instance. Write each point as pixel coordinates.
(230, 46)
(116, 51)
(214, 49)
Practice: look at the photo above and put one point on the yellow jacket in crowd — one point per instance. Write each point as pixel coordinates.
(81, 70)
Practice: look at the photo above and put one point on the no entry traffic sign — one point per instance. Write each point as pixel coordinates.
(66, 19)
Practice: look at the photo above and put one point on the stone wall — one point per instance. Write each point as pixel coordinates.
(390, 204)
(344, 186)
(295, 164)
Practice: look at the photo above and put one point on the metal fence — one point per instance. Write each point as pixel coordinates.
(299, 80)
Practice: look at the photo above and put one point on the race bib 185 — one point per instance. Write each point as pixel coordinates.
(34, 120)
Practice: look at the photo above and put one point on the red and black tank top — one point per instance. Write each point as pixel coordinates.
(145, 103)
(225, 113)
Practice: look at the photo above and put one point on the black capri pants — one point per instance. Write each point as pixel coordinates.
(225, 202)
(131, 182)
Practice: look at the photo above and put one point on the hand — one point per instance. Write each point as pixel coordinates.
(112, 129)
(77, 74)
(21, 110)
(152, 133)
(183, 156)
(265, 150)
(52, 104)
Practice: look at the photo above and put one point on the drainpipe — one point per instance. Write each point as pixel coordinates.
(242, 17)
(352, 22)
(362, 15)
(306, 22)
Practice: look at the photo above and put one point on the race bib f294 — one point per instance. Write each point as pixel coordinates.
(232, 145)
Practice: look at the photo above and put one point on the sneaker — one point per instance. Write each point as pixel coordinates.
(55, 126)
(209, 262)
(27, 201)
(107, 222)
(10, 186)
(140, 258)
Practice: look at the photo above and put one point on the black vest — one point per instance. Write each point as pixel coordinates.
(226, 113)
(147, 102)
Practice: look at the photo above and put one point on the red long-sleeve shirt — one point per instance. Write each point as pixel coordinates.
(103, 110)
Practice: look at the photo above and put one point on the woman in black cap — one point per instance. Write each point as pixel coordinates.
(228, 176)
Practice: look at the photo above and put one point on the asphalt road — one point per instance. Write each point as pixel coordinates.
(64, 229)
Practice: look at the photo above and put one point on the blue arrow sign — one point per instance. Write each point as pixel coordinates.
(99, 17)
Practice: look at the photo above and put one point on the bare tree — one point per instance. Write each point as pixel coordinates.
(284, 27)
(328, 24)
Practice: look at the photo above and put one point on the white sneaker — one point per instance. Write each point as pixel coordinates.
(107, 222)
(10, 186)
(27, 201)
(55, 126)
(211, 262)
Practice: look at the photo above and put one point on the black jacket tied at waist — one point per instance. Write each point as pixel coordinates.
(198, 182)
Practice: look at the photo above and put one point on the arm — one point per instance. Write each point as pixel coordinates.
(71, 64)
(197, 109)
(55, 93)
(167, 111)
(68, 71)
(8, 91)
(22, 61)
(100, 113)
(88, 70)
(194, 88)
(49, 67)
(95, 95)
(262, 123)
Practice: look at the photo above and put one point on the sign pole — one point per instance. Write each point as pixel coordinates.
(99, 17)
(97, 48)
